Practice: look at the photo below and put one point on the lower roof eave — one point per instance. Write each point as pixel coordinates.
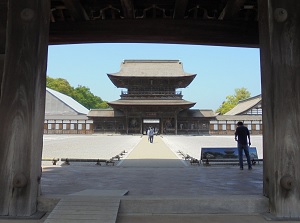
(159, 106)
(151, 103)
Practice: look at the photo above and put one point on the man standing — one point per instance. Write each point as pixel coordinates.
(241, 134)
(151, 134)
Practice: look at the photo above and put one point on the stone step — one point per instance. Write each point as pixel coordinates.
(89, 206)
(231, 204)
(85, 209)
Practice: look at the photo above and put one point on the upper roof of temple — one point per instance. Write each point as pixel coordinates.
(154, 69)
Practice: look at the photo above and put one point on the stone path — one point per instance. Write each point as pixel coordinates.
(88, 206)
(156, 154)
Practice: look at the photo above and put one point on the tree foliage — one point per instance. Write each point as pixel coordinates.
(59, 84)
(232, 100)
(81, 94)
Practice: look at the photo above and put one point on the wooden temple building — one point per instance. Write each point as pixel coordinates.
(248, 111)
(151, 99)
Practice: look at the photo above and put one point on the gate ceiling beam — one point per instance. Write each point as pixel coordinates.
(214, 32)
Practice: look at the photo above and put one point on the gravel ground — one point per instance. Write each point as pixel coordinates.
(87, 146)
(192, 144)
(107, 146)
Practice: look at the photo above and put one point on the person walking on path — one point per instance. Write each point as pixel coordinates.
(151, 134)
(241, 135)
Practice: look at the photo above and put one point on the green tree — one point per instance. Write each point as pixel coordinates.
(81, 94)
(232, 100)
(59, 84)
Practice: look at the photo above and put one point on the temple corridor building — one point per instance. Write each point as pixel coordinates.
(64, 115)
(151, 98)
(248, 111)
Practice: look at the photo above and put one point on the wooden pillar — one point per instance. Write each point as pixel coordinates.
(280, 66)
(2, 58)
(3, 21)
(22, 106)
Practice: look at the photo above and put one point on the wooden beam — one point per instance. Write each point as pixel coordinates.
(231, 9)
(179, 9)
(128, 9)
(222, 33)
(280, 65)
(22, 106)
(76, 10)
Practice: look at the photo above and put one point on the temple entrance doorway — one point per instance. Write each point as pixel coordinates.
(154, 123)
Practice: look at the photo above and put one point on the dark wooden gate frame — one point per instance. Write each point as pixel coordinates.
(23, 58)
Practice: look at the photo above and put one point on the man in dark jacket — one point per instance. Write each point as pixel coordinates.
(241, 135)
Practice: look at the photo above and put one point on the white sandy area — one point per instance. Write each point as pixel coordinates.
(106, 146)
(87, 146)
(191, 145)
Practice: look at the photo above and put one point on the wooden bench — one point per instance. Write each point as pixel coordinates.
(53, 160)
(226, 155)
(97, 161)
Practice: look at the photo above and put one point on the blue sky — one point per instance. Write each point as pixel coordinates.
(220, 70)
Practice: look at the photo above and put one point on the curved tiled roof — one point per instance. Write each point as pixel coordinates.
(151, 68)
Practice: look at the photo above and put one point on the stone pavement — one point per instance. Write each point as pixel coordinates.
(155, 154)
(174, 192)
(152, 169)
(201, 218)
